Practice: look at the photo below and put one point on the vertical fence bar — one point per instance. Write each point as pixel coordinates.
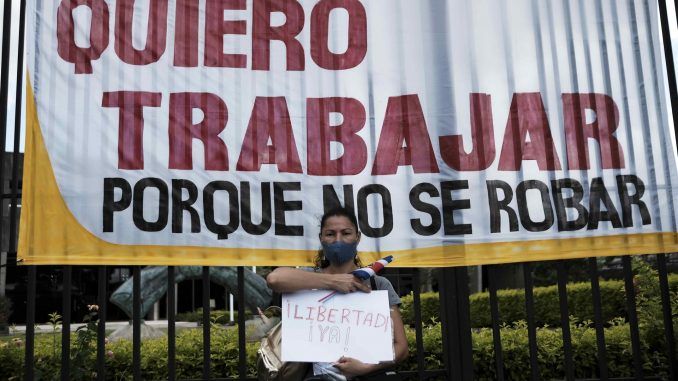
(30, 325)
(4, 89)
(561, 268)
(668, 322)
(206, 363)
(67, 285)
(531, 326)
(30, 307)
(17, 130)
(242, 352)
(398, 276)
(464, 311)
(661, 258)
(633, 317)
(598, 319)
(102, 297)
(456, 324)
(418, 329)
(136, 323)
(496, 333)
(448, 301)
(171, 325)
(668, 56)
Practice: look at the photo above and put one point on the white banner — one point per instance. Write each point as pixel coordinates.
(460, 132)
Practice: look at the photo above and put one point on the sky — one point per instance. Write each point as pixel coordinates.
(13, 69)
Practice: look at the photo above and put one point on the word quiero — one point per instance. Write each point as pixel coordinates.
(186, 40)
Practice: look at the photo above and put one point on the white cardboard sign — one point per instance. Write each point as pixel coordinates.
(356, 325)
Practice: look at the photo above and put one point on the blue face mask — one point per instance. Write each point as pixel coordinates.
(340, 252)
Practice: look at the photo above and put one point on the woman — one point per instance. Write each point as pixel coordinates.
(339, 237)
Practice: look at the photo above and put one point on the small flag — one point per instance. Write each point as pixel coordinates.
(373, 269)
(364, 273)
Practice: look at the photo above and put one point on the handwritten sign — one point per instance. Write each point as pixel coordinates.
(357, 325)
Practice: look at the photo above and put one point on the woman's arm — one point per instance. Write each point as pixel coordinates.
(352, 367)
(399, 338)
(286, 279)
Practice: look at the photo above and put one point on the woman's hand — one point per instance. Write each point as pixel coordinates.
(346, 283)
(351, 367)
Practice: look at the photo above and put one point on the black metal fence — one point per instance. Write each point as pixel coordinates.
(453, 283)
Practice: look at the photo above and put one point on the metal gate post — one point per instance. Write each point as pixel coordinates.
(456, 323)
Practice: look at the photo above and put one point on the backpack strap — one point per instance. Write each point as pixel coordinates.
(373, 283)
(276, 299)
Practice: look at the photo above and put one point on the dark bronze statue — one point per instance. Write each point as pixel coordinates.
(154, 286)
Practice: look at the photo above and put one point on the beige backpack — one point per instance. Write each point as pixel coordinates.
(270, 366)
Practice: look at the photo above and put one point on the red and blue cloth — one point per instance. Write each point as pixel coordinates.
(373, 269)
(364, 273)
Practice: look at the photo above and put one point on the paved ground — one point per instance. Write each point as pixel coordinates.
(110, 325)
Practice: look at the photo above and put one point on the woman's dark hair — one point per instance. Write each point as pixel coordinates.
(320, 261)
(338, 212)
